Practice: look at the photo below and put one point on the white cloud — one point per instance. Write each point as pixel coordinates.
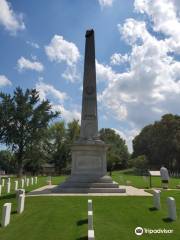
(128, 136)
(164, 18)
(32, 44)
(9, 19)
(26, 64)
(4, 81)
(60, 50)
(118, 58)
(150, 87)
(46, 90)
(105, 3)
(57, 98)
(67, 115)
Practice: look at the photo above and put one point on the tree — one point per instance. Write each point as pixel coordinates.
(6, 161)
(117, 154)
(160, 142)
(140, 164)
(23, 121)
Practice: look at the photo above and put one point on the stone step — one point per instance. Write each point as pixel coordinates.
(90, 185)
(90, 190)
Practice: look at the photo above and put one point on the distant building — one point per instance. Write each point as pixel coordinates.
(48, 169)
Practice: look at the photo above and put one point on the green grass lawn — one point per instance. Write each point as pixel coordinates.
(141, 182)
(115, 218)
(47, 218)
(42, 181)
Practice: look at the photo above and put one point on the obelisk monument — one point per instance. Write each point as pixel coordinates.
(89, 167)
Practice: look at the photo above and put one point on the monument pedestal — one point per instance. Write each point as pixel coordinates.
(89, 171)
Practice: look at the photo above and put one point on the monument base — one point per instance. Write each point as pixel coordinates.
(89, 174)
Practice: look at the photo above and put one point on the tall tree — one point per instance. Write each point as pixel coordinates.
(160, 142)
(23, 120)
(117, 154)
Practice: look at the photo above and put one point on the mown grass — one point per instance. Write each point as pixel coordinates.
(141, 181)
(115, 218)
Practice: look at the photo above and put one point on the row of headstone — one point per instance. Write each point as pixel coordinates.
(23, 182)
(6, 210)
(90, 221)
(174, 174)
(171, 205)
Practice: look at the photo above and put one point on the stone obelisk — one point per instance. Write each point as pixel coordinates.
(89, 167)
(89, 119)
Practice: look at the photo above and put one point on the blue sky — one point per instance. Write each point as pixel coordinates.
(137, 56)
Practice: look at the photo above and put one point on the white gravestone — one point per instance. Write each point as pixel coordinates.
(21, 200)
(6, 214)
(19, 192)
(35, 180)
(90, 220)
(49, 180)
(32, 181)
(15, 185)
(164, 177)
(90, 205)
(8, 180)
(22, 183)
(27, 182)
(156, 199)
(0, 189)
(171, 208)
(91, 235)
(8, 187)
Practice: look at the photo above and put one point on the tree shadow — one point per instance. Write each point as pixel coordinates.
(9, 196)
(82, 238)
(167, 220)
(81, 222)
(153, 209)
(14, 212)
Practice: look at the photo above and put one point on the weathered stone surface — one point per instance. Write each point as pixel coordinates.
(91, 235)
(21, 200)
(90, 220)
(27, 182)
(156, 199)
(15, 185)
(6, 214)
(32, 181)
(90, 205)
(19, 192)
(8, 187)
(22, 183)
(171, 203)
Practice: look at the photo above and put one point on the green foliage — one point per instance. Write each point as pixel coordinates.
(160, 142)
(117, 154)
(59, 143)
(140, 164)
(23, 121)
(6, 161)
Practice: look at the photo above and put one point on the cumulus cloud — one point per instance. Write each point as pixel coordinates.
(60, 50)
(57, 98)
(33, 44)
(105, 3)
(150, 87)
(46, 90)
(26, 64)
(4, 81)
(9, 19)
(118, 58)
